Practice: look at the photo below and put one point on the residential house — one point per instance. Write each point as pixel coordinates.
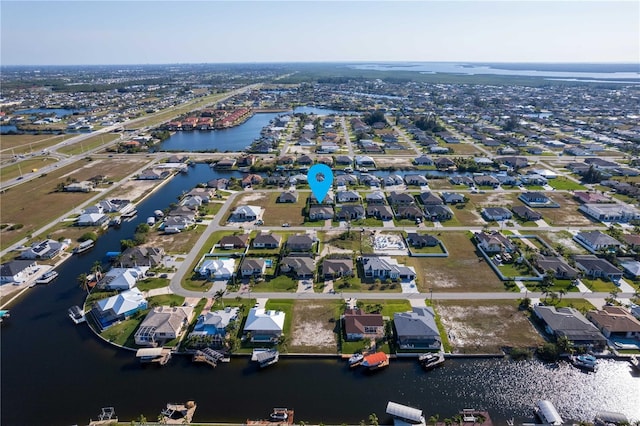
(300, 242)
(347, 197)
(174, 224)
(409, 212)
(91, 219)
(615, 322)
(143, 256)
(486, 180)
(400, 199)
(162, 324)
(557, 264)
(429, 199)
(417, 329)
(246, 213)
(17, 271)
(151, 174)
(122, 278)
(393, 180)
(514, 162)
(320, 212)
(452, 198)
(416, 180)
(611, 212)
(595, 241)
(345, 180)
(214, 324)
(302, 266)
(376, 198)
(461, 180)
(333, 268)
(328, 199)
(252, 267)
(344, 160)
(47, 249)
(350, 212)
(420, 241)
(570, 323)
(443, 163)
(423, 160)
(631, 268)
(251, 179)
(525, 213)
(438, 213)
(632, 241)
(217, 268)
(359, 325)
(84, 186)
(118, 308)
(370, 180)
(494, 242)
(365, 161)
(591, 197)
(534, 198)
(234, 241)
(380, 212)
(384, 267)
(268, 241)
(264, 325)
(304, 160)
(496, 213)
(594, 267)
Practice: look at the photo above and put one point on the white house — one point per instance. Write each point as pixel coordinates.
(17, 271)
(122, 278)
(264, 326)
(246, 213)
(218, 269)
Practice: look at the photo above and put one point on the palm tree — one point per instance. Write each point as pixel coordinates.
(373, 419)
(83, 282)
(96, 269)
(480, 418)
(434, 419)
(562, 292)
(219, 295)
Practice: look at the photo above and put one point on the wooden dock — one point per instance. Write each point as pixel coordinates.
(178, 414)
(209, 356)
(160, 356)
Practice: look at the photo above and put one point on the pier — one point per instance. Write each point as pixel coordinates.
(209, 356)
(154, 355)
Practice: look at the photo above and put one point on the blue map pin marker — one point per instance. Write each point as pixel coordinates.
(320, 186)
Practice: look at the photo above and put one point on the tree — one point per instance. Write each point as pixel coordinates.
(83, 282)
(373, 419)
(562, 292)
(219, 295)
(434, 419)
(564, 344)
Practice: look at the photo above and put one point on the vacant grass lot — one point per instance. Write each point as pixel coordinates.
(88, 144)
(486, 326)
(567, 214)
(176, 243)
(562, 182)
(152, 283)
(13, 170)
(463, 270)
(20, 144)
(281, 283)
(24, 203)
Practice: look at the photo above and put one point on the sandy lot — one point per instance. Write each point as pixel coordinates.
(312, 327)
(251, 196)
(133, 189)
(392, 161)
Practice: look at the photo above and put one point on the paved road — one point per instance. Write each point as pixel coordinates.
(347, 139)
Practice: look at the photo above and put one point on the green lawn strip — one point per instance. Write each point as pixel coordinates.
(166, 300)
(435, 249)
(286, 306)
(89, 143)
(95, 296)
(280, 283)
(152, 283)
(565, 184)
(389, 306)
(599, 285)
(444, 337)
(514, 270)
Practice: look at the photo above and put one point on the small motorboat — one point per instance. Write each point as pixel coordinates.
(279, 415)
(356, 359)
(586, 362)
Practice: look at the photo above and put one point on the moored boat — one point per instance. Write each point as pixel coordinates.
(84, 246)
(355, 360)
(375, 361)
(4, 314)
(47, 277)
(431, 360)
(587, 362)
(279, 415)
(76, 314)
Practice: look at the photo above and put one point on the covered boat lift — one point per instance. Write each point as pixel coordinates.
(403, 414)
(548, 413)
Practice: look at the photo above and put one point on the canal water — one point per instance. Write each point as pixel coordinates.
(57, 373)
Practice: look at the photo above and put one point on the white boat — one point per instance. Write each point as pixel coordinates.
(431, 360)
(47, 277)
(76, 314)
(84, 246)
(151, 221)
(356, 359)
(279, 415)
(587, 362)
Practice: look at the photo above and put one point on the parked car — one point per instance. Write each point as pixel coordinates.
(285, 225)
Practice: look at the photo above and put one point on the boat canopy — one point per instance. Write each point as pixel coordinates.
(548, 413)
(404, 412)
(612, 417)
(149, 352)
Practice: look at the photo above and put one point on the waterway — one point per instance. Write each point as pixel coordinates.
(234, 139)
(59, 112)
(57, 373)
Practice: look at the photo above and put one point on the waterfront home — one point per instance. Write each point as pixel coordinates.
(415, 180)
(347, 197)
(611, 212)
(486, 180)
(496, 213)
(370, 180)
(268, 241)
(345, 180)
(91, 219)
(320, 212)
(400, 199)
(359, 325)
(393, 180)
(325, 160)
(423, 160)
(344, 160)
(384, 267)
(420, 241)
(118, 308)
(246, 213)
(218, 268)
(122, 278)
(250, 180)
(461, 180)
(288, 197)
(162, 324)
(151, 174)
(300, 242)
(302, 266)
(305, 160)
(375, 198)
(264, 325)
(350, 212)
(444, 163)
(333, 268)
(17, 271)
(557, 264)
(632, 241)
(616, 322)
(525, 213)
(429, 199)
(47, 249)
(452, 198)
(234, 241)
(570, 323)
(494, 242)
(380, 212)
(173, 224)
(220, 183)
(139, 255)
(252, 267)
(417, 329)
(214, 324)
(365, 161)
(595, 241)
(594, 267)
(513, 162)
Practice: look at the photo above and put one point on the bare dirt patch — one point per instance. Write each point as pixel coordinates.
(486, 326)
(313, 327)
(251, 196)
(387, 161)
(133, 189)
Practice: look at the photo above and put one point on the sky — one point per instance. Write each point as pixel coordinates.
(155, 32)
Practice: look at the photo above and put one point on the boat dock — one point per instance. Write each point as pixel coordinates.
(209, 356)
(154, 355)
(283, 412)
(178, 414)
(106, 417)
(265, 357)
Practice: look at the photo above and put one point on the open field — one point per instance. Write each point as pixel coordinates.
(567, 214)
(176, 243)
(463, 148)
(23, 204)
(133, 189)
(315, 326)
(486, 326)
(463, 270)
(88, 144)
(275, 214)
(13, 170)
(20, 144)
(562, 182)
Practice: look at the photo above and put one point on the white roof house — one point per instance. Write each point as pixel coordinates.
(122, 303)
(264, 325)
(122, 278)
(218, 268)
